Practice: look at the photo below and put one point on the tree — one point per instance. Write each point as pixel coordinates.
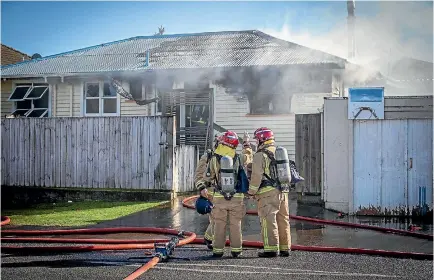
(36, 55)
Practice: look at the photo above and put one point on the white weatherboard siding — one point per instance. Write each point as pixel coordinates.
(129, 107)
(233, 115)
(6, 90)
(61, 101)
(308, 103)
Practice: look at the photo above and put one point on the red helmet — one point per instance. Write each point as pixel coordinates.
(263, 134)
(230, 139)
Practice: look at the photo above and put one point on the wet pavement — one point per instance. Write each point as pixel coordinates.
(174, 215)
(300, 265)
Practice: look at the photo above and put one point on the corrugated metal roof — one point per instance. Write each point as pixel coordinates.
(202, 50)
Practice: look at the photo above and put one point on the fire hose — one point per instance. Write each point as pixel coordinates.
(164, 247)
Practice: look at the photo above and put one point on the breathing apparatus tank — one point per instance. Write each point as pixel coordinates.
(282, 164)
(227, 175)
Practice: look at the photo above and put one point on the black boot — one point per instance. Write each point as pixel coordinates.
(235, 254)
(208, 243)
(284, 253)
(267, 254)
(217, 255)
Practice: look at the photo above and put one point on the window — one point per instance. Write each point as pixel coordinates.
(136, 89)
(30, 100)
(100, 99)
(269, 104)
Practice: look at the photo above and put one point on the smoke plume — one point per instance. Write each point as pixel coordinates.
(396, 30)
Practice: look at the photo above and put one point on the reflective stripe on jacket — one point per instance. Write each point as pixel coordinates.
(261, 165)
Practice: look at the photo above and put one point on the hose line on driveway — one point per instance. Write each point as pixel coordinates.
(97, 244)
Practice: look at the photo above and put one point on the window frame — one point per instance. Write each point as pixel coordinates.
(31, 84)
(36, 109)
(30, 87)
(100, 99)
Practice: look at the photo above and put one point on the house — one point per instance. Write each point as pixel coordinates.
(238, 80)
(403, 76)
(9, 56)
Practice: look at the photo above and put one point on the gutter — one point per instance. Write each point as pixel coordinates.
(327, 65)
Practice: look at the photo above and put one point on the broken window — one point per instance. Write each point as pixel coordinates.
(100, 99)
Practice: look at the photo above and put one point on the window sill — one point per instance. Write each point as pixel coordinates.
(268, 115)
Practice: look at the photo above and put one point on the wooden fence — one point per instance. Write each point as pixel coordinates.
(101, 152)
(308, 152)
(186, 159)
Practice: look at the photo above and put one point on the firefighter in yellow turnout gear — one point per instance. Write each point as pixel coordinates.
(223, 169)
(206, 189)
(270, 186)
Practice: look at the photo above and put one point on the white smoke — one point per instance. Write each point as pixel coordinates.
(399, 29)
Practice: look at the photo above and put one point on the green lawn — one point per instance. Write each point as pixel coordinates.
(75, 213)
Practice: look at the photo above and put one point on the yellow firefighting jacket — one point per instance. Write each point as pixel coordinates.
(261, 165)
(201, 170)
(214, 168)
(247, 156)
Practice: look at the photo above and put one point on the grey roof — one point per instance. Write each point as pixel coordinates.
(182, 51)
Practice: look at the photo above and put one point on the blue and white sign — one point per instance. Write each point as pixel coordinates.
(366, 103)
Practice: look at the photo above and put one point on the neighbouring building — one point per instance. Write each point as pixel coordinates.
(9, 56)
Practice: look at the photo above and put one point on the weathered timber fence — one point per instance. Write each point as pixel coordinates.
(308, 152)
(186, 159)
(100, 152)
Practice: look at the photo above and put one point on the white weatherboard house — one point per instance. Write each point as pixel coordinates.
(201, 78)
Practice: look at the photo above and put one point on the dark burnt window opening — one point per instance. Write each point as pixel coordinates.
(270, 104)
(136, 89)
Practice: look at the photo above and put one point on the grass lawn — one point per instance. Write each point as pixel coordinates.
(75, 213)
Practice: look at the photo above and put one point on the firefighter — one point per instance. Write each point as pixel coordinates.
(225, 170)
(205, 189)
(247, 154)
(269, 184)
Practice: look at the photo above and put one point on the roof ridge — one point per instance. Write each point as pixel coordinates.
(125, 40)
(15, 50)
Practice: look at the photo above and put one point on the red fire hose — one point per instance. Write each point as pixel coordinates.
(110, 244)
(331, 222)
(337, 249)
(122, 244)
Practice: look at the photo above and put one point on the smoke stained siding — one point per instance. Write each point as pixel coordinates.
(311, 103)
(233, 115)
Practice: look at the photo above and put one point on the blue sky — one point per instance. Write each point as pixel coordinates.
(53, 27)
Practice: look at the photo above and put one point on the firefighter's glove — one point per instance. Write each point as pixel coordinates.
(246, 139)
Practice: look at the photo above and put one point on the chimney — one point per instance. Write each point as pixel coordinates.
(351, 7)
